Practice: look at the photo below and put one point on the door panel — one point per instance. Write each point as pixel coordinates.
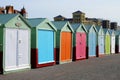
(101, 44)
(92, 44)
(45, 46)
(23, 47)
(10, 48)
(107, 44)
(83, 54)
(66, 45)
(63, 46)
(80, 45)
(113, 44)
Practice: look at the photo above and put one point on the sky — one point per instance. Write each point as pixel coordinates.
(104, 9)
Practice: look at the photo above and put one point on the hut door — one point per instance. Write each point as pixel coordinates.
(10, 48)
(92, 44)
(113, 44)
(81, 45)
(23, 47)
(45, 46)
(66, 45)
(101, 44)
(107, 44)
(16, 48)
(78, 45)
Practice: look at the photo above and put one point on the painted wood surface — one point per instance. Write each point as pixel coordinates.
(66, 46)
(16, 49)
(92, 44)
(107, 44)
(80, 45)
(112, 44)
(45, 46)
(101, 44)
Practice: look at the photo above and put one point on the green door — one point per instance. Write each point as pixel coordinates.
(107, 44)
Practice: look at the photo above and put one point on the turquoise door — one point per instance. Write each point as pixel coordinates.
(92, 44)
(101, 44)
(45, 46)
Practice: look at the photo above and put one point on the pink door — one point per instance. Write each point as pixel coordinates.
(80, 45)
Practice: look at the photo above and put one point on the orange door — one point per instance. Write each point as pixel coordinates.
(63, 46)
(66, 45)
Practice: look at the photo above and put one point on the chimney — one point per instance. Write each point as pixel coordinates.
(9, 10)
(23, 12)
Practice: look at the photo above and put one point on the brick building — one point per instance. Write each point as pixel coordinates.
(10, 10)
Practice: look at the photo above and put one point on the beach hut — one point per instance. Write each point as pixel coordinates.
(42, 42)
(79, 41)
(64, 38)
(14, 43)
(112, 41)
(117, 41)
(107, 41)
(100, 40)
(91, 41)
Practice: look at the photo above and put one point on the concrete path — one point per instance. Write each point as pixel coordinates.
(103, 68)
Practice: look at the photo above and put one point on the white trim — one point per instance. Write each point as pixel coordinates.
(46, 62)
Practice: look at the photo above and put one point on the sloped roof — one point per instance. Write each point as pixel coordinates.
(35, 21)
(59, 24)
(117, 32)
(98, 28)
(111, 31)
(75, 26)
(4, 18)
(88, 27)
(106, 30)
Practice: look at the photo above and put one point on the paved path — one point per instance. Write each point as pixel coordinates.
(103, 68)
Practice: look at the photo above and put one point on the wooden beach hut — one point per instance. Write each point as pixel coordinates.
(79, 41)
(107, 41)
(14, 43)
(100, 40)
(64, 41)
(112, 41)
(42, 42)
(91, 41)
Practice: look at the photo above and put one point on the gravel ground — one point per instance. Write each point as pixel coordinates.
(103, 68)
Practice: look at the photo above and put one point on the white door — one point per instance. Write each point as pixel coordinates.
(23, 48)
(113, 44)
(16, 49)
(10, 48)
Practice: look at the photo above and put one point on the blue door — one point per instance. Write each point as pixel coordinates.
(45, 46)
(92, 44)
(101, 44)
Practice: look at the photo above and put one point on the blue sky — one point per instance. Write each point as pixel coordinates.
(105, 9)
